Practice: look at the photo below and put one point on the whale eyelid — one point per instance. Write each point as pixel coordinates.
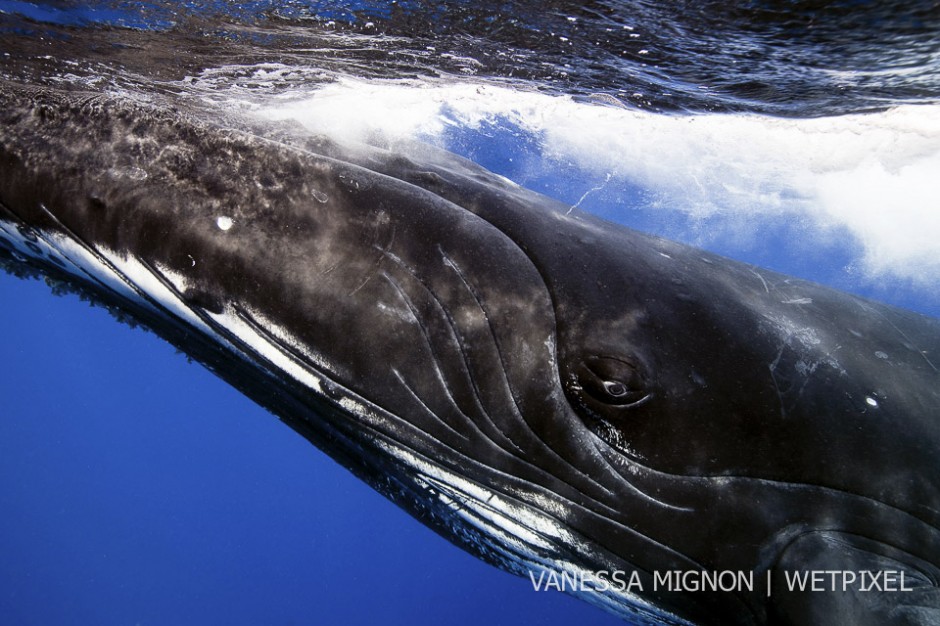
(637, 403)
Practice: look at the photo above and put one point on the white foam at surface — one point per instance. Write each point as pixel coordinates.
(874, 175)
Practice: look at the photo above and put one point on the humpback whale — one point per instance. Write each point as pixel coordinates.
(549, 392)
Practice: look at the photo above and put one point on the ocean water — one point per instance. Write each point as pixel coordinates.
(136, 488)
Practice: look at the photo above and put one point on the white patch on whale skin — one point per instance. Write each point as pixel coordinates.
(160, 291)
(179, 282)
(285, 337)
(521, 534)
(126, 277)
(75, 259)
(275, 355)
(805, 341)
(224, 222)
(151, 284)
(400, 314)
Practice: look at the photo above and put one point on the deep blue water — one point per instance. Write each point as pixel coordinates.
(136, 488)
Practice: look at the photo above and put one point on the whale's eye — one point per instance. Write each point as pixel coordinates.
(613, 381)
(615, 388)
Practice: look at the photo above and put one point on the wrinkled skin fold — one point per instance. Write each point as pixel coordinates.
(544, 389)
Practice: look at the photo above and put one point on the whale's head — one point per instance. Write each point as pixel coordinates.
(550, 392)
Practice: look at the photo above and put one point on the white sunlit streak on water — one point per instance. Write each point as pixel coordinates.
(862, 181)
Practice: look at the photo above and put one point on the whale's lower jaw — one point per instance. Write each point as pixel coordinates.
(263, 362)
